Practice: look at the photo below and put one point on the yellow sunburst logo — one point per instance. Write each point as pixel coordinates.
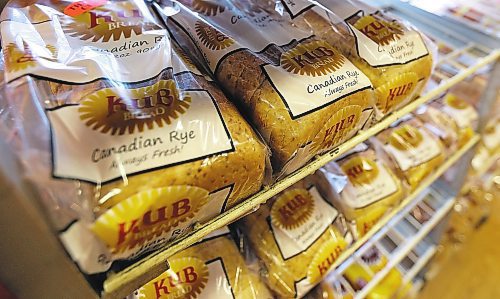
(325, 257)
(395, 91)
(406, 137)
(186, 278)
(117, 111)
(379, 30)
(340, 127)
(112, 21)
(455, 102)
(312, 59)
(360, 170)
(207, 8)
(147, 215)
(211, 37)
(292, 209)
(17, 59)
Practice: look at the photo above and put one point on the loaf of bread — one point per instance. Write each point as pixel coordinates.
(135, 153)
(371, 187)
(415, 151)
(441, 125)
(297, 236)
(463, 114)
(212, 268)
(376, 43)
(300, 103)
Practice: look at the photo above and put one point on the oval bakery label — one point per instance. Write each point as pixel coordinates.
(298, 217)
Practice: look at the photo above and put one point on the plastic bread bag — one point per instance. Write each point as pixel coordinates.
(463, 114)
(395, 56)
(299, 92)
(331, 289)
(297, 235)
(211, 268)
(359, 274)
(126, 155)
(415, 151)
(364, 185)
(440, 124)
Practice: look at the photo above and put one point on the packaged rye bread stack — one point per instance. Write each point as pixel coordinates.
(395, 56)
(211, 268)
(440, 124)
(297, 235)
(364, 185)
(300, 92)
(127, 154)
(415, 151)
(463, 114)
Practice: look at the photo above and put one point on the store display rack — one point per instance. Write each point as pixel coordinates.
(119, 285)
(403, 236)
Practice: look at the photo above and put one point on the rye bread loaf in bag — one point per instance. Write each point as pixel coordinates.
(415, 151)
(297, 235)
(364, 185)
(211, 268)
(299, 92)
(394, 55)
(127, 154)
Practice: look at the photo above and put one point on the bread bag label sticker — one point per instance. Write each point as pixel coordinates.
(383, 43)
(491, 136)
(77, 8)
(189, 277)
(412, 147)
(129, 131)
(313, 75)
(111, 41)
(371, 181)
(254, 30)
(460, 111)
(298, 218)
(321, 264)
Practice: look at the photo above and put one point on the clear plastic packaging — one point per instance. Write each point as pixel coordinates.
(299, 92)
(364, 186)
(211, 268)
(440, 124)
(415, 151)
(297, 235)
(463, 114)
(128, 144)
(394, 55)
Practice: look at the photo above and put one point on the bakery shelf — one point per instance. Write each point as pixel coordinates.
(404, 240)
(119, 285)
(406, 247)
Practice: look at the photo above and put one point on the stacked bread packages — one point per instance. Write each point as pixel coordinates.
(364, 185)
(395, 56)
(297, 235)
(463, 114)
(126, 154)
(211, 268)
(415, 151)
(298, 90)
